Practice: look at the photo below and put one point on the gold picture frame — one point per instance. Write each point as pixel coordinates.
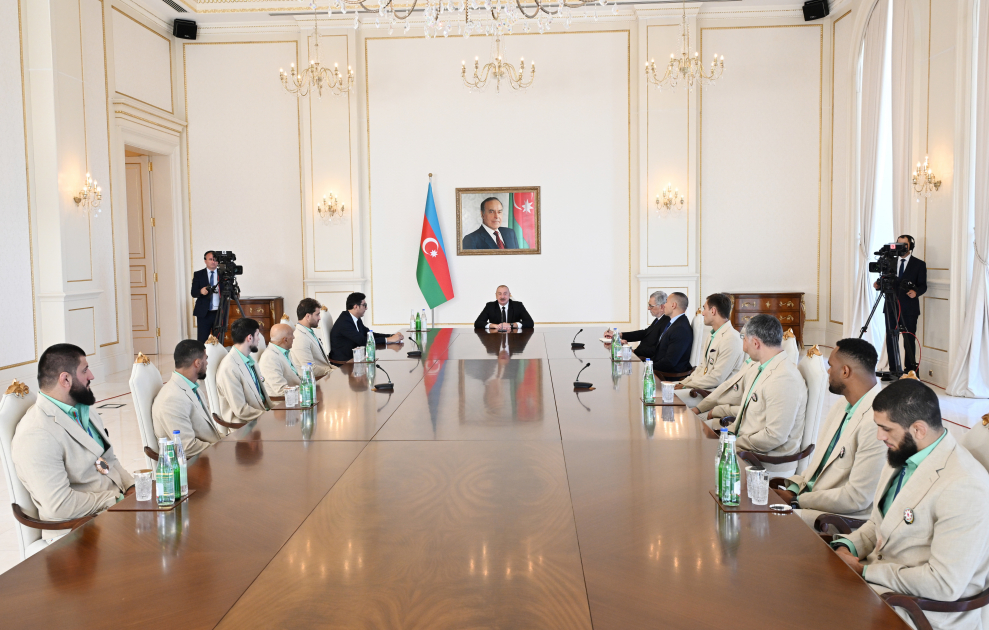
(519, 236)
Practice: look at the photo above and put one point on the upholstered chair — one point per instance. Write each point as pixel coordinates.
(815, 375)
(701, 333)
(214, 354)
(325, 324)
(790, 346)
(145, 383)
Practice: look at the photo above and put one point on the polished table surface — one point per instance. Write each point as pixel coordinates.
(483, 492)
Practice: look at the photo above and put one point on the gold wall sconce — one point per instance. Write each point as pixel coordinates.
(90, 196)
(330, 210)
(670, 201)
(925, 182)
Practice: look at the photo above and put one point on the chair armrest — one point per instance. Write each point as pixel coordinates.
(779, 483)
(726, 421)
(912, 607)
(151, 454)
(974, 602)
(843, 524)
(276, 398)
(230, 425)
(27, 521)
(782, 459)
(751, 458)
(697, 392)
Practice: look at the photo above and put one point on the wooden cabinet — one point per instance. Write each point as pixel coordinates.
(266, 310)
(786, 307)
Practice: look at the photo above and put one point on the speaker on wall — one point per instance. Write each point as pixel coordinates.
(815, 10)
(186, 29)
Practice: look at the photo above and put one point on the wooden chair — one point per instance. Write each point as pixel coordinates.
(699, 393)
(673, 376)
(145, 383)
(842, 524)
(230, 425)
(757, 459)
(150, 454)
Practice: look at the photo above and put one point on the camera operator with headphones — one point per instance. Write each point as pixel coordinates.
(911, 273)
(206, 292)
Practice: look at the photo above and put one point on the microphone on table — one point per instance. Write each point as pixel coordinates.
(578, 384)
(414, 353)
(573, 344)
(384, 387)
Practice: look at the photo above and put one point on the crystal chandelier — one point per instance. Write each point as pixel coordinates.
(924, 181)
(330, 210)
(672, 201)
(90, 196)
(686, 68)
(498, 70)
(316, 76)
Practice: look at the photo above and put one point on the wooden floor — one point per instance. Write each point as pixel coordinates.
(483, 492)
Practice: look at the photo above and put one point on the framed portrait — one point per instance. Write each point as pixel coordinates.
(497, 221)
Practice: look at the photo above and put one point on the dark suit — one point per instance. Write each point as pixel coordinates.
(648, 337)
(205, 318)
(914, 271)
(492, 314)
(673, 351)
(480, 239)
(344, 337)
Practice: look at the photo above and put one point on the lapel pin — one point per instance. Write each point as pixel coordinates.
(735, 387)
(841, 453)
(102, 467)
(755, 397)
(908, 516)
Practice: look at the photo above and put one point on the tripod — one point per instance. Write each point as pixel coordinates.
(227, 293)
(888, 292)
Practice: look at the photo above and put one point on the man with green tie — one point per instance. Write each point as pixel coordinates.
(845, 469)
(238, 382)
(927, 534)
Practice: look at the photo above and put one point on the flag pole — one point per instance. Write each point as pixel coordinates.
(432, 311)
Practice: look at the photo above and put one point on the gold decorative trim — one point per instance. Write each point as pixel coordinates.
(142, 359)
(286, 318)
(130, 115)
(788, 334)
(140, 178)
(924, 342)
(212, 341)
(144, 277)
(17, 388)
(814, 352)
(171, 86)
(95, 339)
(831, 214)
(911, 375)
(147, 312)
(323, 308)
(985, 420)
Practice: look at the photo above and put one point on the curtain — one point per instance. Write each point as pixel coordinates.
(970, 369)
(864, 200)
(902, 115)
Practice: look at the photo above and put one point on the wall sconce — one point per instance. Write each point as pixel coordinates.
(924, 181)
(90, 196)
(330, 210)
(671, 201)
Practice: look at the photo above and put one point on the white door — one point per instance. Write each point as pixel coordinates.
(143, 274)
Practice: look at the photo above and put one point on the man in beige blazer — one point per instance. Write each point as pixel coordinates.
(848, 460)
(275, 365)
(976, 441)
(723, 354)
(927, 534)
(307, 348)
(61, 451)
(239, 385)
(772, 398)
(179, 406)
(714, 404)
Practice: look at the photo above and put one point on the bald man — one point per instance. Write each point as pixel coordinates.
(504, 314)
(275, 365)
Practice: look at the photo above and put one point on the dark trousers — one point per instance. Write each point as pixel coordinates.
(205, 326)
(909, 322)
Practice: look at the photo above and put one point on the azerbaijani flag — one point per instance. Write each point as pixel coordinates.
(437, 351)
(433, 271)
(522, 219)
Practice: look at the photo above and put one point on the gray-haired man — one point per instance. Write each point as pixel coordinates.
(648, 338)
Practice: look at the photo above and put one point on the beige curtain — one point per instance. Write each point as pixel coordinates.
(902, 88)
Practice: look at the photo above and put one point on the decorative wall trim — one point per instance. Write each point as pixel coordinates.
(171, 86)
(831, 213)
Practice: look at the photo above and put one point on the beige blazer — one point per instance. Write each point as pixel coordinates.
(239, 398)
(717, 403)
(177, 407)
(307, 349)
(277, 371)
(724, 358)
(944, 553)
(976, 441)
(55, 459)
(849, 477)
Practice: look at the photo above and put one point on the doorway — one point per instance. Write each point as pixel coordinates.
(141, 227)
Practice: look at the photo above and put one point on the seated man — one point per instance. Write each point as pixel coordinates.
(307, 348)
(179, 406)
(61, 452)
(349, 331)
(772, 398)
(927, 533)
(648, 337)
(723, 354)
(715, 404)
(673, 350)
(504, 314)
(844, 471)
(275, 365)
(238, 383)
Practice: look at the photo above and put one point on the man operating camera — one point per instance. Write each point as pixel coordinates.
(910, 283)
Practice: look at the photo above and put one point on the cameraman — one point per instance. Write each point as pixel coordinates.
(207, 295)
(911, 275)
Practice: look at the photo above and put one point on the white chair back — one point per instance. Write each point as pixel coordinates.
(261, 346)
(13, 406)
(701, 333)
(214, 354)
(790, 346)
(145, 383)
(325, 324)
(815, 375)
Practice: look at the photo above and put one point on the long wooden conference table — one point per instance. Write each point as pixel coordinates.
(483, 492)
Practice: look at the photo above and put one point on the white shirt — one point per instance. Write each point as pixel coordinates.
(516, 324)
(491, 233)
(215, 297)
(356, 325)
(670, 325)
(906, 261)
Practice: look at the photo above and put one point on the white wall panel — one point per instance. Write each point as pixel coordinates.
(80, 326)
(841, 120)
(142, 60)
(566, 135)
(244, 172)
(760, 161)
(940, 127)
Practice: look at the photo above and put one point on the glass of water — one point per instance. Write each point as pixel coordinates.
(142, 484)
(760, 487)
(358, 355)
(749, 480)
(668, 391)
(291, 396)
(626, 353)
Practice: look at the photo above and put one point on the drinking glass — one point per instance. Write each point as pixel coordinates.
(749, 480)
(291, 396)
(668, 391)
(626, 353)
(358, 355)
(760, 487)
(142, 484)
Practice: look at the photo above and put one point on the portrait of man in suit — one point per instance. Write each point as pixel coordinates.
(497, 221)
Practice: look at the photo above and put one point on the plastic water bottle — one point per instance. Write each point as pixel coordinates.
(649, 383)
(616, 345)
(164, 476)
(183, 464)
(425, 322)
(412, 320)
(729, 479)
(369, 350)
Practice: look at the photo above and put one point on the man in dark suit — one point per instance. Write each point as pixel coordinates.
(349, 331)
(504, 314)
(491, 235)
(912, 274)
(673, 350)
(648, 337)
(207, 295)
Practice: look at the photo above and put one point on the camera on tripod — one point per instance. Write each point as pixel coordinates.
(885, 265)
(227, 287)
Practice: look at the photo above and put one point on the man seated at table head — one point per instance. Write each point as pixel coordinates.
(504, 314)
(307, 348)
(927, 533)
(772, 396)
(648, 337)
(673, 348)
(60, 451)
(490, 235)
(275, 363)
(723, 354)
(349, 331)
(180, 405)
(238, 381)
(842, 475)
